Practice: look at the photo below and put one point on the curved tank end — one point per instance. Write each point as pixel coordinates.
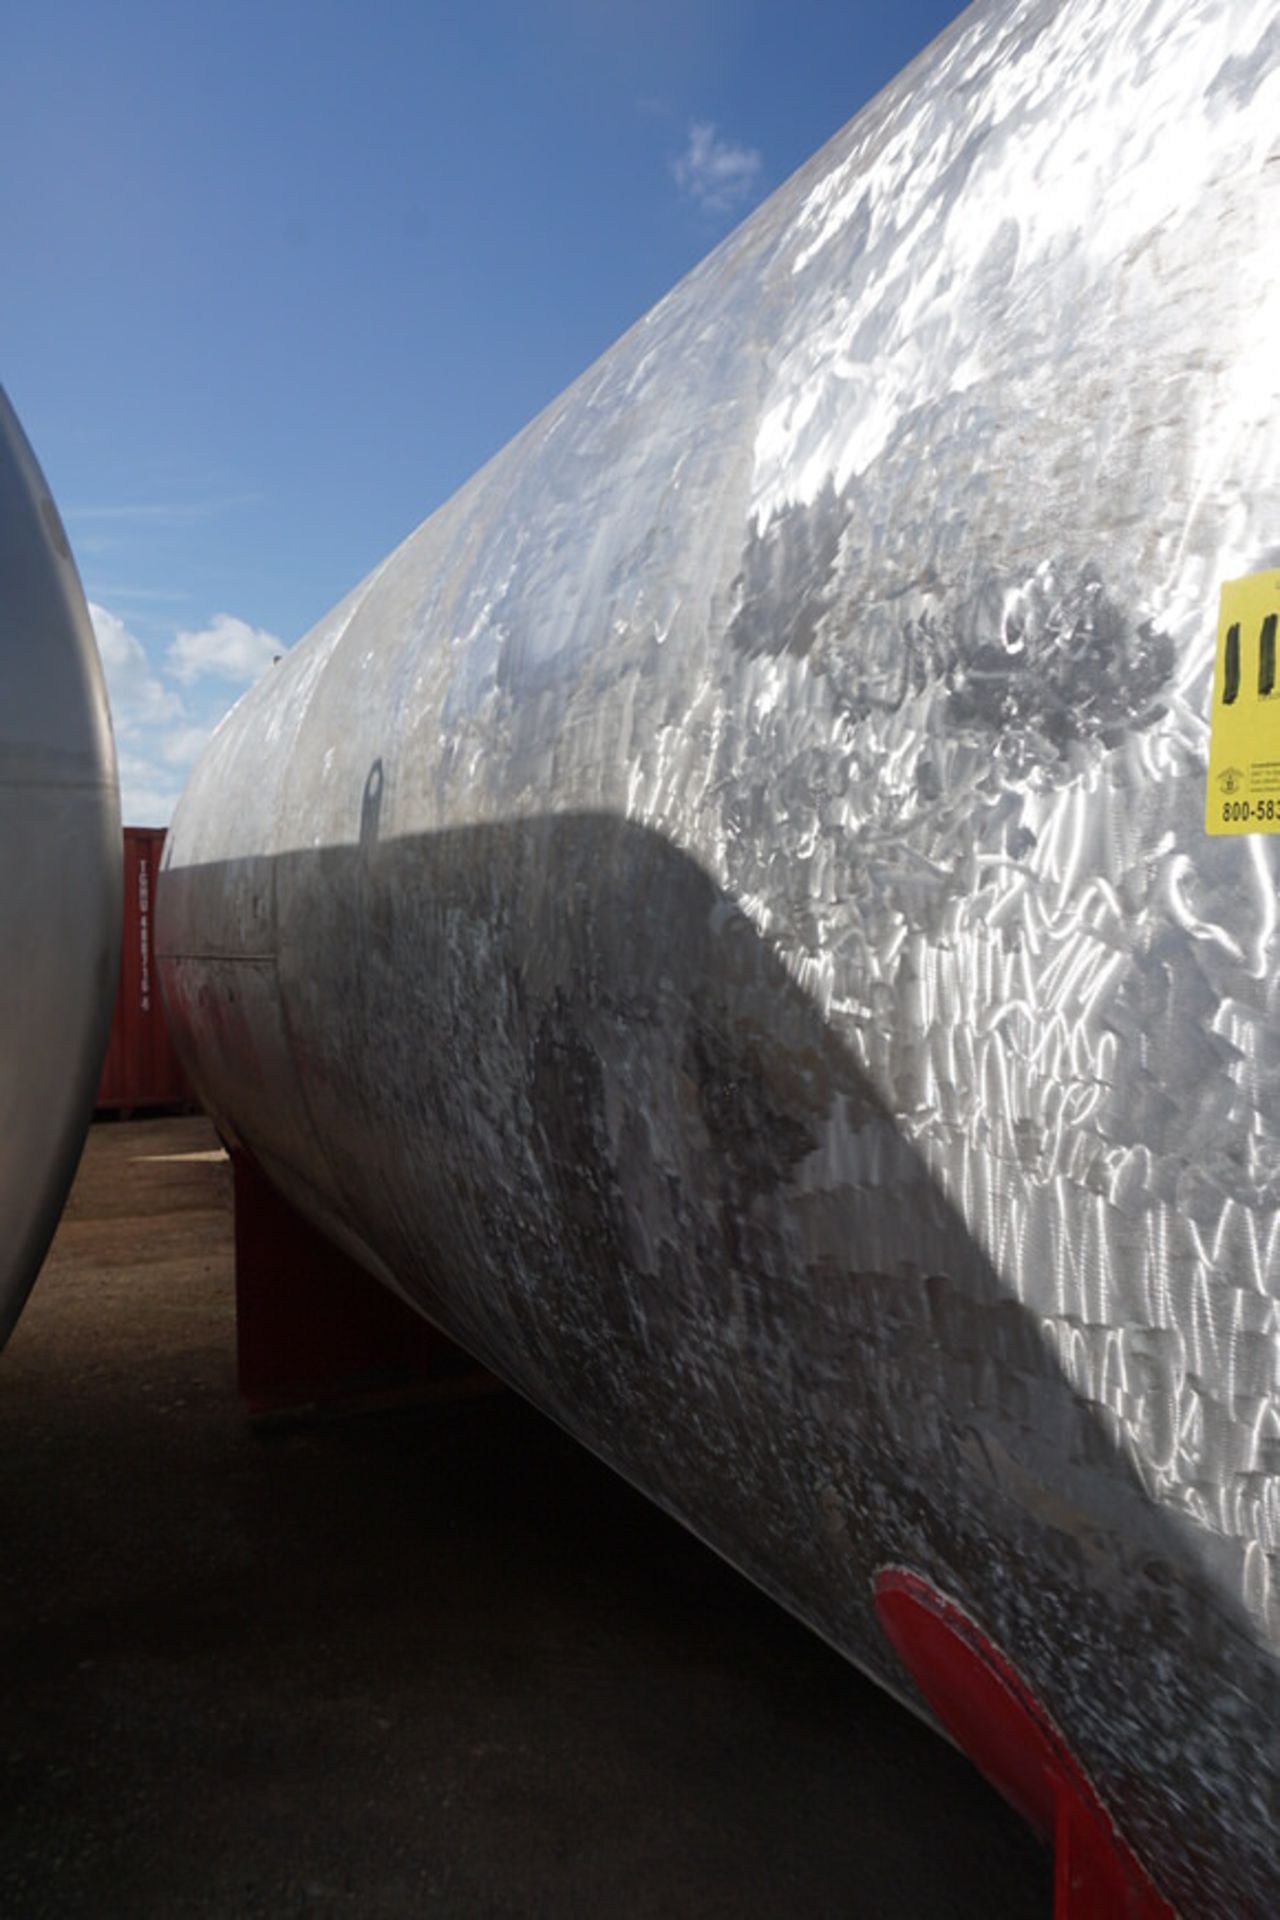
(60, 867)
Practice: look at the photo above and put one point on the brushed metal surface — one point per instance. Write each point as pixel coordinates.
(721, 918)
(60, 868)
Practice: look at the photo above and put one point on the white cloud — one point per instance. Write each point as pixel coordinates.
(138, 698)
(145, 806)
(181, 748)
(716, 175)
(171, 512)
(161, 716)
(227, 649)
(148, 793)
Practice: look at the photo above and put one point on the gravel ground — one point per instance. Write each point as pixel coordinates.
(431, 1662)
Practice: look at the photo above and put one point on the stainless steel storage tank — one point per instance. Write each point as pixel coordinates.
(722, 918)
(59, 867)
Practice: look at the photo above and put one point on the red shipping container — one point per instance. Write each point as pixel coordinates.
(141, 1068)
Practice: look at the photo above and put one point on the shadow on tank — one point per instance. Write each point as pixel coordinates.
(549, 1076)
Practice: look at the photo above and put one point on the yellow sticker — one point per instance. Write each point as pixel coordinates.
(1244, 728)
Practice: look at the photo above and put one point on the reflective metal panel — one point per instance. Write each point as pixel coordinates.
(722, 918)
(60, 867)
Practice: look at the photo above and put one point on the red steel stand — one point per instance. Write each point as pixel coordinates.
(316, 1334)
(993, 1716)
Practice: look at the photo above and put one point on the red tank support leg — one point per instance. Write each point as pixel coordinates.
(314, 1332)
(993, 1716)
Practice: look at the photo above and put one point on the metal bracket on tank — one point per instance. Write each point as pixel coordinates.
(993, 1716)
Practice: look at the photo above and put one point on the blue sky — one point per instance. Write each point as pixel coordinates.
(279, 277)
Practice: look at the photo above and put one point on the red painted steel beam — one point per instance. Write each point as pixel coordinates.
(314, 1331)
(989, 1710)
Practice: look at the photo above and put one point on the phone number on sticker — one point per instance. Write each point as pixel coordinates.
(1233, 810)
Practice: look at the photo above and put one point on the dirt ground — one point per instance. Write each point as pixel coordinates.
(432, 1662)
